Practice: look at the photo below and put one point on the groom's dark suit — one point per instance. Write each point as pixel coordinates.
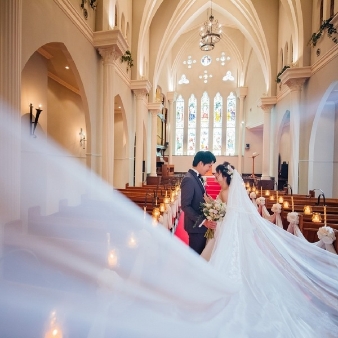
(192, 191)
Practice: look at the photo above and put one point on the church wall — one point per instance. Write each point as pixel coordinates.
(65, 119)
(335, 155)
(253, 115)
(54, 26)
(255, 82)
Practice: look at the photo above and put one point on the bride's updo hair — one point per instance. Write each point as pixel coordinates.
(227, 170)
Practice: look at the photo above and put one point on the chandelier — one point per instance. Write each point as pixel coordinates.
(210, 33)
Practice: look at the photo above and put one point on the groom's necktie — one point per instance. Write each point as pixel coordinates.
(201, 179)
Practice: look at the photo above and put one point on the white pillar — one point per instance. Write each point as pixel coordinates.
(294, 78)
(153, 142)
(109, 57)
(111, 45)
(154, 108)
(141, 90)
(171, 96)
(266, 104)
(10, 102)
(242, 93)
(140, 107)
(293, 174)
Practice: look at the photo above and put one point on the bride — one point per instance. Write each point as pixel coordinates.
(223, 176)
(286, 286)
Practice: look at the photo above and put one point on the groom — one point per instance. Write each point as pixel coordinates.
(192, 195)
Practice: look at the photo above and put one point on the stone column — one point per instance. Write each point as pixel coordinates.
(241, 93)
(141, 90)
(111, 45)
(266, 104)
(109, 57)
(171, 96)
(154, 108)
(294, 78)
(10, 103)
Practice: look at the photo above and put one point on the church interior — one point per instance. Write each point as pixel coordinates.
(109, 100)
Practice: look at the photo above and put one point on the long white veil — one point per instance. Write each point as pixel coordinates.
(80, 260)
(288, 287)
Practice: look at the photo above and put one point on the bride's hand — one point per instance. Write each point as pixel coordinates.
(207, 198)
(210, 224)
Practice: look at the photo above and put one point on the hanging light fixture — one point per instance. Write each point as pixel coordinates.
(210, 33)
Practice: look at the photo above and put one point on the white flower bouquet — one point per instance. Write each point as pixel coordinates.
(252, 195)
(260, 201)
(326, 234)
(213, 210)
(276, 208)
(293, 217)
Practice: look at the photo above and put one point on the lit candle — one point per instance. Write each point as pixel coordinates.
(112, 258)
(293, 209)
(307, 210)
(277, 195)
(144, 212)
(132, 243)
(286, 204)
(325, 215)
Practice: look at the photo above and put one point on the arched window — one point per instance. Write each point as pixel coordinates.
(291, 51)
(286, 54)
(321, 12)
(179, 125)
(281, 59)
(204, 140)
(217, 125)
(331, 8)
(192, 125)
(231, 125)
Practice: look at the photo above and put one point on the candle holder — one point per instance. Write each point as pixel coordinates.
(254, 155)
(34, 123)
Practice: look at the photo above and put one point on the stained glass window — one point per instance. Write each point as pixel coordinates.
(231, 125)
(179, 125)
(204, 144)
(204, 139)
(205, 125)
(192, 105)
(217, 125)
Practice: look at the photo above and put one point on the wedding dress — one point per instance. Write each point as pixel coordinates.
(286, 286)
(96, 266)
(209, 247)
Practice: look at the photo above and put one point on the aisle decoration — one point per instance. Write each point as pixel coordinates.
(293, 219)
(326, 237)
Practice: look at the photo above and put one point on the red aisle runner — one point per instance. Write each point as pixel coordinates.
(180, 232)
(212, 189)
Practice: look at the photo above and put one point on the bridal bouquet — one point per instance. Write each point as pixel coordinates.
(213, 210)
